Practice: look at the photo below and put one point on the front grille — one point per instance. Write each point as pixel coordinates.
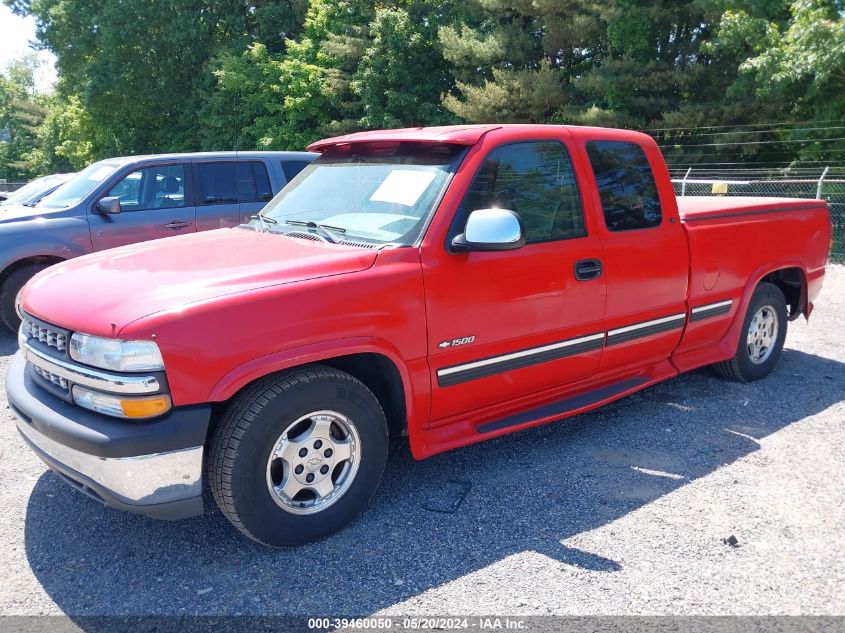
(50, 377)
(47, 335)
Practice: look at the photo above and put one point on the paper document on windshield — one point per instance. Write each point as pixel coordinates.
(403, 186)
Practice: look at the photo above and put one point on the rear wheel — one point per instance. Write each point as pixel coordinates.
(762, 336)
(9, 294)
(298, 455)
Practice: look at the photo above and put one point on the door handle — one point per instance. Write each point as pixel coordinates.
(178, 224)
(586, 269)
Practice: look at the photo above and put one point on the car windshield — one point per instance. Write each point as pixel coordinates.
(381, 192)
(31, 189)
(79, 186)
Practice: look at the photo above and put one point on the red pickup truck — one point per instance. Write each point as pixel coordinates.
(450, 284)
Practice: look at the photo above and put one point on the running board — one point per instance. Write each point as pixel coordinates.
(562, 407)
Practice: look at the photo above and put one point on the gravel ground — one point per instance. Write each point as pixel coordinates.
(621, 511)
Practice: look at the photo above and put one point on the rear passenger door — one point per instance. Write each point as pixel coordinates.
(155, 202)
(254, 190)
(216, 194)
(646, 260)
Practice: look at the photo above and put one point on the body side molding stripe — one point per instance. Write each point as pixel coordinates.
(710, 310)
(457, 374)
(561, 407)
(516, 360)
(646, 328)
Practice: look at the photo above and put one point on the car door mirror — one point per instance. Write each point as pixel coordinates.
(109, 205)
(491, 230)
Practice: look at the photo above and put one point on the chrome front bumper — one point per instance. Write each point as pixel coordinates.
(141, 480)
(151, 468)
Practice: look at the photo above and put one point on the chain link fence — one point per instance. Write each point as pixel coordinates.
(827, 183)
(9, 187)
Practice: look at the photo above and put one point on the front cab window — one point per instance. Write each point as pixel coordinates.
(158, 187)
(533, 179)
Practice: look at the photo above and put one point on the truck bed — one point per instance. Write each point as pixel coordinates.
(733, 241)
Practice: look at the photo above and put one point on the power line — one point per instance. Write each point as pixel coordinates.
(808, 140)
(739, 125)
(801, 129)
(681, 162)
(774, 156)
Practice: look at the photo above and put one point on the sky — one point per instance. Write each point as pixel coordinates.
(15, 35)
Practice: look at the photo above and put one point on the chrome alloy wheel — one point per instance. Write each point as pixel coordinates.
(313, 462)
(762, 335)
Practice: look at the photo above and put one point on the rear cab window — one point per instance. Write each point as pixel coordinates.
(626, 185)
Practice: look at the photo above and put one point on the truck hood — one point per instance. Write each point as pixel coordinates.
(103, 292)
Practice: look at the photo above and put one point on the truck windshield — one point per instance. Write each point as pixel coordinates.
(381, 192)
(79, 186)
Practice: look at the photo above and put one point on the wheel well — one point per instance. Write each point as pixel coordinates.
(36, 259)
(792, 283)
(377, 372)
(381, 377)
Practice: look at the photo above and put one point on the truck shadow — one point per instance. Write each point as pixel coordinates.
(528, 492)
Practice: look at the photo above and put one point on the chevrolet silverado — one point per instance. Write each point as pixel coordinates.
(446, 284)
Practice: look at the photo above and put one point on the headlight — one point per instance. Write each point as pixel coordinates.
(116, 355)
(121, 406)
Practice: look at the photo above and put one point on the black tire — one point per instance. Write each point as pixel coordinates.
(741, 368)
(9, 293)
(248, 431)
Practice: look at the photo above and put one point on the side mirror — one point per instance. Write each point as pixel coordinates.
(109, 205)
(491, 230)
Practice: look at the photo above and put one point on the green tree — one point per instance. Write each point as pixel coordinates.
(402, 75)
(66, 139)
(143, 70)
(22, 113)
(799, 61)
(306, 93)
(514, 61)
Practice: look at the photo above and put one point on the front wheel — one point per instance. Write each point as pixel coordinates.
(10, 290)
(298, 455)
(762, 336)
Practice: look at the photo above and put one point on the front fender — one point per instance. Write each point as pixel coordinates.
(62, 238)
(414, 376)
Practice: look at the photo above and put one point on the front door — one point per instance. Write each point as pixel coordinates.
(508, 324)
(152, 205)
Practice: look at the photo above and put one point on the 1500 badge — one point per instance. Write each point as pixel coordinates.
(457, 341)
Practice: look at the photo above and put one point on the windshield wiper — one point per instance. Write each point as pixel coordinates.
(264, 220)
(326, 229)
